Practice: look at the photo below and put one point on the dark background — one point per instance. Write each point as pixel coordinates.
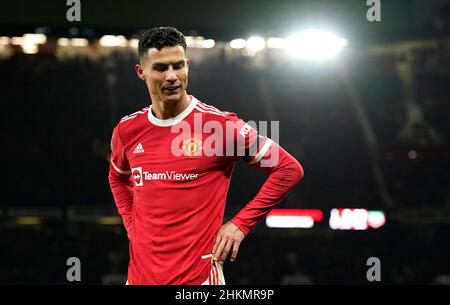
(58, 114)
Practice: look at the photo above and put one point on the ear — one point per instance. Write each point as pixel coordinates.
(140, 71)
(188, 62)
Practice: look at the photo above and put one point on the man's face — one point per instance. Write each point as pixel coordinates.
(165, 72)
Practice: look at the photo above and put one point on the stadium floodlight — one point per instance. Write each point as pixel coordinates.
(29, 48)
(79, 42)
(199, 42)
(63, 42)
(238, 43)
(133, 43)
(113, 41)
(276, 43)
(35, 38)
(209, 43)
(17, 41)
(4, 40)
(315, 45)
(255, 44)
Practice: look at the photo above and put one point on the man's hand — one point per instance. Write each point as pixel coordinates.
(229, 236)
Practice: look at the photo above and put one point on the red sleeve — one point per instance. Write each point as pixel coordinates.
(119, 181)
(283, 169)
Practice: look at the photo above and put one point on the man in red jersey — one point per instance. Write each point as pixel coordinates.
(170, 169)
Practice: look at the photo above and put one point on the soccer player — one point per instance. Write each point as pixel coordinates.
(170, 169)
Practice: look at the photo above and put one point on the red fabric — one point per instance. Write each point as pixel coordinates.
(172, 206)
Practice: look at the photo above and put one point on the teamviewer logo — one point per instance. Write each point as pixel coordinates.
(137, 176)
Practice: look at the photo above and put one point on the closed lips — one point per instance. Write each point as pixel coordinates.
(172, 87)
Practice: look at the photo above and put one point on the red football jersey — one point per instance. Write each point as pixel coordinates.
(178, 171)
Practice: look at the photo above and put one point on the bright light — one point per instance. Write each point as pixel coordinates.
(360, 217)
(376, 219)
(29, 48)
(315, 45)
(4, 40)
(63, 42)
(238, 43)
(134, 43)
(79, 42)
(289, 221)
(356, 219)
(113, 41)
(199, 42)
(255, 44)
(17, 40)
(35, 38)
(276, 43)
(209, 43)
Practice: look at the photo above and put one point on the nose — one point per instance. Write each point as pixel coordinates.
(171, 75)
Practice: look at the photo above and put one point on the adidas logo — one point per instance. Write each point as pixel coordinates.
(139, 149)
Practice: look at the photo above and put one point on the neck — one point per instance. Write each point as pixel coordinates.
(166, 110)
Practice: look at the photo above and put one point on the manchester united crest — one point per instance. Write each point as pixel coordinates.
(192, 147)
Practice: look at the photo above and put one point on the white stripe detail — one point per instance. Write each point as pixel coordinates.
(221, 276)
(214, 281)
(144, 110)
(133, 115)
(127, 118)
(175, 120)
(209, 107)
(215, 276)
(210, 111)
(206, 256)
(119, 170)
(262, 152)
(207, 111)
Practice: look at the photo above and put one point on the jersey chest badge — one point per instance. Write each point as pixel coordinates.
(192, 147)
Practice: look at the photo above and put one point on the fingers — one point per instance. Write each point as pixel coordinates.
(218, 239)
(225, 251)
(218, 253)
(228, 238)
(235, 251)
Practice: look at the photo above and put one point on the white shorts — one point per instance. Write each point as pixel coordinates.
(215, 276)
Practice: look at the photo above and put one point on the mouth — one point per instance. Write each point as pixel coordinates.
(171, 88)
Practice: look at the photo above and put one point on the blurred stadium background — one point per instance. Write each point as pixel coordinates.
(370, 126)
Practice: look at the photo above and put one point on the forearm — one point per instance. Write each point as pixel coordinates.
(282, 178)
(122, 190)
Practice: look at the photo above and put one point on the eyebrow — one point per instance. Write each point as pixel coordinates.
(156, 64)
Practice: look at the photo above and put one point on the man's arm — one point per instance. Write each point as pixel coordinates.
(122, 190)
(283, 176)
(119, 181)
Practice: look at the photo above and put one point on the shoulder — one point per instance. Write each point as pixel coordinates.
(134, 115)
(212, 112)
(131, 123)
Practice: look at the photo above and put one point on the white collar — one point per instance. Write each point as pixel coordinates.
(175, 120)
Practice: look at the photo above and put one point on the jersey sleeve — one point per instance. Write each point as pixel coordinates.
(120, 183)
(267, 156)
(243, 142)
(119, 161)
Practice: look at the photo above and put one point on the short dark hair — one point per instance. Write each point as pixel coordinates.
(160, 37)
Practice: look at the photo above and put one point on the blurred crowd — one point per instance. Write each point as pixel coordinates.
(58, 122)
